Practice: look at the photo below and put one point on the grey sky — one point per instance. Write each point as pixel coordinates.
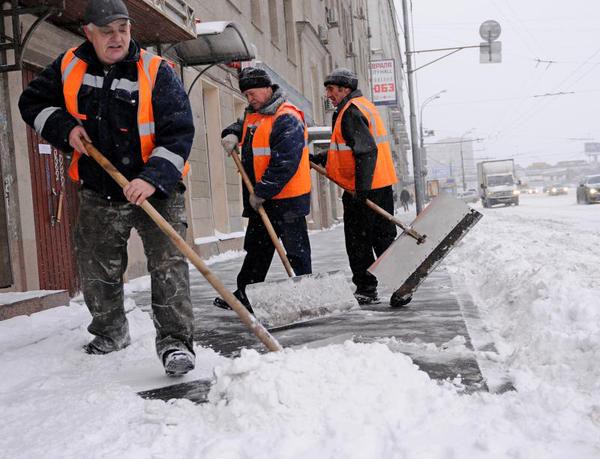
(498, 99)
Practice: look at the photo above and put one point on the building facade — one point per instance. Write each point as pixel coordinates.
(384, 41)
(450, 161)
(296, 42)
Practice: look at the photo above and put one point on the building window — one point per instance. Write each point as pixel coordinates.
(274, 21)
(255, 13)
(290, 30)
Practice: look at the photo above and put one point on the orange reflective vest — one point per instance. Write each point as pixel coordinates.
(299, 184)
(340, 159)
(73, 71)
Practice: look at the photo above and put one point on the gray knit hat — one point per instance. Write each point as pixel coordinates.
(342, 77)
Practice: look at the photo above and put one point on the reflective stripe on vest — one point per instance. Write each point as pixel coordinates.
(341, 165)
(299, 184)
(73, 75)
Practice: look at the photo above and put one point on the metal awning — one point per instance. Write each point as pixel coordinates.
(155, 21)
(318, 134)
(216, 42)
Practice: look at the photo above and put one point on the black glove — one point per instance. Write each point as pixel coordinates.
(361, 196)
(320, 158)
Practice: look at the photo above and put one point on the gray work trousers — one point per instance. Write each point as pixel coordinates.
(102, 232)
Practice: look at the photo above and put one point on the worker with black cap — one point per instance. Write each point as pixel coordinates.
(272, 137)
(132, 106)
(360, 159)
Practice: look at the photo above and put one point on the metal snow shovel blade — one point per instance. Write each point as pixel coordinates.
(250, 321)
(287, 302)
(404, 265)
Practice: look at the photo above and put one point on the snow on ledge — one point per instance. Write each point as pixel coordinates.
(14, 297)
(219, 237)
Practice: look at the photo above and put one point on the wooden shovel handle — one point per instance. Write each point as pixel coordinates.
(420, 238)
(263, 216)
(61, 198)
(249, 320)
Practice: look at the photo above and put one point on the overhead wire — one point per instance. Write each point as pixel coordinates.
(544, 102)
(521, 107)
(540, 104)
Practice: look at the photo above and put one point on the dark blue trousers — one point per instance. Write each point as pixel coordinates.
(259, 248)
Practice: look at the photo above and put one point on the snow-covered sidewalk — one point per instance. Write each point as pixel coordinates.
(533, 272)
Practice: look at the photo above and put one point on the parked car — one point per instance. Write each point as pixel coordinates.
(469, 195)
(555, 190)
(588, 190)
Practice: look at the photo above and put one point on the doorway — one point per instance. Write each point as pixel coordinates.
(55, 206)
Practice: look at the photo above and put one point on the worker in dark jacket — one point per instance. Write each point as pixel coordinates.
(132, 107)
(360, 159)
(272, 137)
(405, 199)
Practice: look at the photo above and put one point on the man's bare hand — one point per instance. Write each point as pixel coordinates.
(75, 136)
(138, 191)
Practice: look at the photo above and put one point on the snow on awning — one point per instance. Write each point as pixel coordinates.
(216, 42)
(165, 21)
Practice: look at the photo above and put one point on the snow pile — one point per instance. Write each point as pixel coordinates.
(538, 287)
(358, 401)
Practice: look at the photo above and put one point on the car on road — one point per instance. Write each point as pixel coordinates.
(588, 190)
(468, 196)
(528, 190)
(555, 190)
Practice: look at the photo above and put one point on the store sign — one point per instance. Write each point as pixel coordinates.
(383, 82)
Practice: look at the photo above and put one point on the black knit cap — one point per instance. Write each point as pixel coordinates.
(253, 77)
(342, 77)
(103, 12)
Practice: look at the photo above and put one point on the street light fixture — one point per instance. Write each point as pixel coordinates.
(429, 99)
(422, 154)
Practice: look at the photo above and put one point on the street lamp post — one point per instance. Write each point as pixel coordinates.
(414, 135)
(462, 159)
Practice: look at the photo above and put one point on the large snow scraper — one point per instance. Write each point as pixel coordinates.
(298, 299)
(404, 265)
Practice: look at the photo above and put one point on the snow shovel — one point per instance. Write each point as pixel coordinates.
(250, 321)
(420, 238)
(404, 265)
(298, 299)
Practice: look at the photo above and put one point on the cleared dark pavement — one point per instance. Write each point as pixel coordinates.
(434, 317)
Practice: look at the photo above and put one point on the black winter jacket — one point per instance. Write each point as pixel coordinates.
(286, 143)
(355, 130)
(109, 99)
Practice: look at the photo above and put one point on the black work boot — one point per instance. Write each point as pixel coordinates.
(221, 303)
(178, 362)
(398, 300)
(101, 345)
(366, 295)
